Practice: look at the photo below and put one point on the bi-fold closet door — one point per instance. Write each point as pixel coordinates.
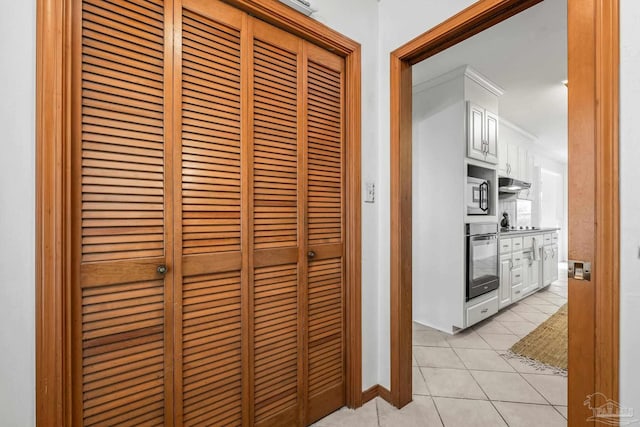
(210, 219)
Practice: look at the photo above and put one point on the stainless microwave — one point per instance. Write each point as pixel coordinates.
(477, 196)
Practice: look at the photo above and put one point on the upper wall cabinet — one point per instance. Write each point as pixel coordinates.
(482, 134)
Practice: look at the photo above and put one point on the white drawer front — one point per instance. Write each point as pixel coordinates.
(517, 292)
(554, 238)
(516, 244)
(505, 246)
(481, 311)
(547, 239)
(528, 241)
(517, 276)
(516, 259)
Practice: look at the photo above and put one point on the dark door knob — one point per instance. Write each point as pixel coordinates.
(311, 254)
(162, 269)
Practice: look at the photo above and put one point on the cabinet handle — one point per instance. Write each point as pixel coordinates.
(162, 269)
(517, 292)
(484, 310)
(311, 254)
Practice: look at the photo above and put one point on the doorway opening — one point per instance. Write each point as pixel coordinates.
(491, 178)
(489, 126)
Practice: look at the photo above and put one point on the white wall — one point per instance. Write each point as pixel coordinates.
(629, 205)
(438, 169)
(358, 19)
(17, 195)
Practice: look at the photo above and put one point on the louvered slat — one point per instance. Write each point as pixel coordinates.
(276, 340)
(121, 328)
(210, 136)
(122, 130)
(211, 342)
(326, 314)
(325, 305)
(123, 361)
(325, 155)
(275, 147)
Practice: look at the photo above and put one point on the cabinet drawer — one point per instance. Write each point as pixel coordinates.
(547, 239)
(516, 244)
(505, 246)
(516, 259)
(481, 311)
(517, 292)
(528, 241)
(554, 238)
(517, 276)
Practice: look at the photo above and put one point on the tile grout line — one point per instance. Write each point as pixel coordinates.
(538, 391)
(377, 411)
(435, 405)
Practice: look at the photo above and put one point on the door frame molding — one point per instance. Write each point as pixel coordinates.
(53, 195)
(593, 67)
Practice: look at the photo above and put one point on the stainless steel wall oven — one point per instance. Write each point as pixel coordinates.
(482, 259)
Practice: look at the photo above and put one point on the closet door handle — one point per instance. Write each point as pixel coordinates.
(311, 254)
(162, 269)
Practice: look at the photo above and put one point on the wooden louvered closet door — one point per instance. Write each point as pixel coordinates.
(208, 196)
(122, 345)
(211, 143)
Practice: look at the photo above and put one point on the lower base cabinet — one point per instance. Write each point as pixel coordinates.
(482, 310)
(505, 281)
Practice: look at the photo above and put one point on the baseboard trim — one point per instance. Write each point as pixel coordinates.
(376, 391)
(384, 393)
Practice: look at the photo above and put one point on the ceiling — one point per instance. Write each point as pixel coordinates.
(527, 56)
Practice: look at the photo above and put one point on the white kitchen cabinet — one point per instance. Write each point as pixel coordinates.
(505, 280)
(491, 121)
(554, 263)
(513, 158)
(523, 153)
(482, 134)
(531, 268)
(503, 160)
(548, 266)
(482, 310)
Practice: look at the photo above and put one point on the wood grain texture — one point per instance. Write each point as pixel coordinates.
(296, 23)
(581, 209)
(121, 64)
(401, 307)
(607, 199)
(52, 213)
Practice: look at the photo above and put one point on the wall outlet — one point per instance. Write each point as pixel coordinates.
(370, 192)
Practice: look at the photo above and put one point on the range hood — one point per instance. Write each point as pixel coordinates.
(511, 185)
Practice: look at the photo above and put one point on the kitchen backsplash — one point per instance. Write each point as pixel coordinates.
(509, 206)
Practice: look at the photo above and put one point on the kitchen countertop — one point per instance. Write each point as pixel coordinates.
(512, 233)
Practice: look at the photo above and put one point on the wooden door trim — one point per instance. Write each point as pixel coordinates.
(53, 195)
(593, 73)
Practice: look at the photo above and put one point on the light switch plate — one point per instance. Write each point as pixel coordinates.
(370, 192)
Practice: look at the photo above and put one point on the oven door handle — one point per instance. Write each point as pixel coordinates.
(484, 237)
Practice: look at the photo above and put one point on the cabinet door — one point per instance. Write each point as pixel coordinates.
(523, 172)
(502, 157)
(546, 266)
(554, 264)
(475, 132)
(513, 157)
(532, 275)
(491, 126)
(505, 281)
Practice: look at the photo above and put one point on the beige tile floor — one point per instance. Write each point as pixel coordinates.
(467, 380)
